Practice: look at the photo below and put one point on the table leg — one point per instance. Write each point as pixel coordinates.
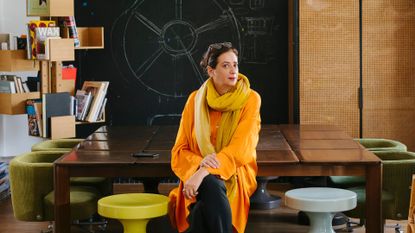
(62, 202)
(374, 223)
(151, 184)
(261, 199)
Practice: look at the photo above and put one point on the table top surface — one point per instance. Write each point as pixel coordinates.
(277, 144)
(289, 150)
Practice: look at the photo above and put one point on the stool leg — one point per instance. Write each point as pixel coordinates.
(320, 222)
(134, 225)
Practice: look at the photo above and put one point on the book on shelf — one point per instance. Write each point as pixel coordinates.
(6, 185)
(73, 106)
(33, 83)
(34, 117)
(4, 181)
(102, 110)
(43, 35)
(39, 112)
(33, 125)
(83, 101)
(31, 38)
(54, 104)
(19, 84)
(3, 167)
(16, 80)
(9, 40)
(21, 42)
(68, 23)
(98, 90)
(25, 87)
(3, 176)
(7, 86)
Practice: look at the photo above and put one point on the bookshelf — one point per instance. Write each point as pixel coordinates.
(90, 37)
(88, 123)
(15, 60)
(60, 49)
(15, 103)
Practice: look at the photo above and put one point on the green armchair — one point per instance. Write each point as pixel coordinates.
(398, 168)
(371, 144)
(57, 145)
(104, 185)
(31, 183)
(381, 144)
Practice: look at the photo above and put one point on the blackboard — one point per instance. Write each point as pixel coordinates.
(153, 49)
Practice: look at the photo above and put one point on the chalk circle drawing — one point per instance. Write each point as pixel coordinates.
(159, 43)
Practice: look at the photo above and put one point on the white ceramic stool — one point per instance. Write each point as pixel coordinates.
(320, 205)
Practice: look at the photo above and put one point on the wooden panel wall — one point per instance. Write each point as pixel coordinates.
(329, 63)
(388, 39)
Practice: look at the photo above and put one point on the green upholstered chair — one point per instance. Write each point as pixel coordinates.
(398, 168)
(104, 185)
(346, 181)
(57, 145)
(31, 183)
(381, 144)
(374, 145)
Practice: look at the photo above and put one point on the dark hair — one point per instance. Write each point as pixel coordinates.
(210, 57)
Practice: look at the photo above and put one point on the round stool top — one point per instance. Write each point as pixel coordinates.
(320, 199)
(133, 206)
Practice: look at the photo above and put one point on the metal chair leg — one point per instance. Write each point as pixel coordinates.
(49, 230)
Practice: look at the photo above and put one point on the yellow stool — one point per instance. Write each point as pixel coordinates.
(133, 210)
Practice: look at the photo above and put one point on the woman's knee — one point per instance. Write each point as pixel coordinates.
(213, 183)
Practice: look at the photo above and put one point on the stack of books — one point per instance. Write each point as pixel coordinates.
(12, 84)
(91, 101)
(39, 111)
(35, 42)
(40, 32)
(34, 116)
(9, 41)
(4, 181)
(88, 105)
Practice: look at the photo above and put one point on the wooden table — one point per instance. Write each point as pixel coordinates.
(285, 150)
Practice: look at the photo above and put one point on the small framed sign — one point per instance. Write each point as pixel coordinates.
(38, 7)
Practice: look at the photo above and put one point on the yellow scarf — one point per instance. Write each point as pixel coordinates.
(230, 104)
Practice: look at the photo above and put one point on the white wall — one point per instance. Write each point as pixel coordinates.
(13, 16)
(15, 133)
(14, 138)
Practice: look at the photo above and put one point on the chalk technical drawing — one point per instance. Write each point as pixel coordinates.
(161, 48)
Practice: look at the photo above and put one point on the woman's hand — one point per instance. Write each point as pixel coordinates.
(191, 186)
(210, 161)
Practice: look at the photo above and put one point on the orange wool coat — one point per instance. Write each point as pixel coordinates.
(238, 157)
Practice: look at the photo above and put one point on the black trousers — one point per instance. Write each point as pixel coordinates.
(212, 212)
